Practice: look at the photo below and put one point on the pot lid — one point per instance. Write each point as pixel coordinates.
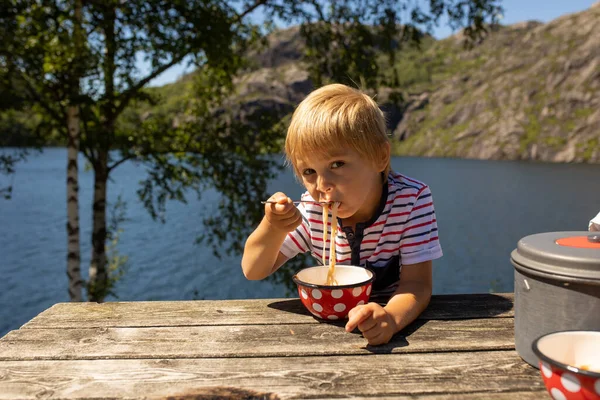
(573, 254)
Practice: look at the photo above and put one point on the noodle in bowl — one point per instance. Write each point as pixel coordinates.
(333, 302)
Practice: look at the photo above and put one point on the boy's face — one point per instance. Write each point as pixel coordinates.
(345, 177)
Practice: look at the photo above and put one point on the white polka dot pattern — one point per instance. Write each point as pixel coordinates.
(563, 384)
(339, 307)
(334, 303)
(570, 382)
(546, 370)
(557, 394)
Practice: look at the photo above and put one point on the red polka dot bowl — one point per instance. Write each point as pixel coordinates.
(570, 364)
(334, 302)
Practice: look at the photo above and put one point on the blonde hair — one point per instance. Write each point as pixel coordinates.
(335, 116)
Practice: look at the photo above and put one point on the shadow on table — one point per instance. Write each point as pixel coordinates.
(441, 307)
(400, 339)
(467, 306)
(448, 306)
(221, 393)
(293, 306)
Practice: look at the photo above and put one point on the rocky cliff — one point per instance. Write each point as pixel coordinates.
(528, 91)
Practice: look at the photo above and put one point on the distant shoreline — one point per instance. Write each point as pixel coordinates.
(394, 154)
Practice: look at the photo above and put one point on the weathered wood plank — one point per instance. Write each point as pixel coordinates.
(535, 394)
(242, 312)
(251, 341)
(392, 375)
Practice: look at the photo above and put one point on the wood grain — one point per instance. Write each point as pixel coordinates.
(250, 341)
(243, 312)
(471, 375)
(461, 347)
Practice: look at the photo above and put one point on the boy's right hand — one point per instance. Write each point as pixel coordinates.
(282, 215)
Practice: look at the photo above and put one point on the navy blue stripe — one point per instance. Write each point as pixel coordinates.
(401, 183)
(381, 244)
(397, 206)
(305, 240)
(419, 234)
(424, 196)
(385, 260)
(320, 234)
(412, 219)
(374, 232)
(392, 194)
(404, 184)
(379, 232)
(337, 253)
(343, 253)
(421, 216)
(398, 241)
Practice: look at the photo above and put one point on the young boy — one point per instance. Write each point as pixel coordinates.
(338, 147)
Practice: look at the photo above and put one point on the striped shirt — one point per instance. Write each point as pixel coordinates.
(403, 231)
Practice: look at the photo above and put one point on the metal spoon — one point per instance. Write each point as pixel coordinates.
(298, 201)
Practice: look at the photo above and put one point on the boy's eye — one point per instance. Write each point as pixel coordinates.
(337, 164)
(308, 171)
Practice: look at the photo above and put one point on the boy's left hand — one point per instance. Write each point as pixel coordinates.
(376, 325)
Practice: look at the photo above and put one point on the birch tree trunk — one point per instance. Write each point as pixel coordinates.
(73, 128)
(73, 250)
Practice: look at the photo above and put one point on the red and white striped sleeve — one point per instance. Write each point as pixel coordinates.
(420, 241)
(297, 241)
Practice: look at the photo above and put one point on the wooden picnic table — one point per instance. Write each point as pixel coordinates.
(461, 347)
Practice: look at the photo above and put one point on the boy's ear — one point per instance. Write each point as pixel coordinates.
(383, 162)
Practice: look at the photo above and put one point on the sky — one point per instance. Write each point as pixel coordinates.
(514, 11)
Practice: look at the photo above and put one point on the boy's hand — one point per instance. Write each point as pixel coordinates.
(282, 215)
(376, 325)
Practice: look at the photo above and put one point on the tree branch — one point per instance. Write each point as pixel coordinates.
(318, 10)
(38, 97)
(82, 144)
(126, 96)
(257, 4)
(121, 161)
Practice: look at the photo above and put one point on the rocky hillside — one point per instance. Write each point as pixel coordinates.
(528, 91)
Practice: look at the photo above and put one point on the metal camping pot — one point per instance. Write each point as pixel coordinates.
(557, 286)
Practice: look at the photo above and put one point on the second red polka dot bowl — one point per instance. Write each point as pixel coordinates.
(570, 364)
(334, 302)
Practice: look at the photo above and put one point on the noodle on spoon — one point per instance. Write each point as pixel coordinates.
(334, 227)
(325, 216)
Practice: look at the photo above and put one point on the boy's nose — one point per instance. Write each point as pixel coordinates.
(324, 185)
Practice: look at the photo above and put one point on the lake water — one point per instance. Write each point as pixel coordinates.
(483, 209)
